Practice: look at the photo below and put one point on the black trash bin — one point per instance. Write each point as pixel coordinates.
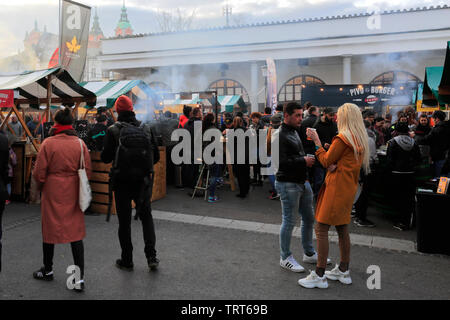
(433, 222)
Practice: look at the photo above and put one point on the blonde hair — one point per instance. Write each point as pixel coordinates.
(351, 126)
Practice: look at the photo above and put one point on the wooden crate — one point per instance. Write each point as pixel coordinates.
(159, 182)
(99, 185)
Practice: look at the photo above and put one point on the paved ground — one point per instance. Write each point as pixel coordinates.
(257, 207)
(202, 262)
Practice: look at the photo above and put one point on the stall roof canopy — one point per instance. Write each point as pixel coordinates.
(433, 77)
(228, 102)
(444, 86)
(31, 88)
(108, 91)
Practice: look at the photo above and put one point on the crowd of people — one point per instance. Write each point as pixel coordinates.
(327, 164)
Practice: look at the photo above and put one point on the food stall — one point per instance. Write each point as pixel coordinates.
(27, 92)
(145, 101)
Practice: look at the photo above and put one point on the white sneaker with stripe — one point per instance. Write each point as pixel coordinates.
(291, 264)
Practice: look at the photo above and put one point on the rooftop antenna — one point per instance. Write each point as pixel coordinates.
(227, 12)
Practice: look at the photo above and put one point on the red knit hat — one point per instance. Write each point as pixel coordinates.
(123, 103)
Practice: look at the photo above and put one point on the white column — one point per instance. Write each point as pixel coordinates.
(253, 94)
(347, 69)
(174, 83)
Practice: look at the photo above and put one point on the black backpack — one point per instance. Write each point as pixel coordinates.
(134, 158)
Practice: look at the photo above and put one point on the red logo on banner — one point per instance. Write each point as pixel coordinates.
(6, 98)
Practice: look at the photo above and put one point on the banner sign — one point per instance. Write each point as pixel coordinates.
(271, 99)
(6, 98)
(74, 34)
(375, 96)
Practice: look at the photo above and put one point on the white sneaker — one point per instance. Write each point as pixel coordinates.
(313, 259)
(314, 281)
(291, 264)
(336, 274)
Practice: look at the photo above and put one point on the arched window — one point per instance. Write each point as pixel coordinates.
(292, 89)
(398, 77)
(229, 87)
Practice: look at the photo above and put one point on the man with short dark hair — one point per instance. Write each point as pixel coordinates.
(266, 116)
(294, 188)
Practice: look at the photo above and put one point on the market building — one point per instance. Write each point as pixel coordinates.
(389, 48)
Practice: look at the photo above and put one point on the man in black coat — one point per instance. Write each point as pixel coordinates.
(125, 191)
(190, 170)
(96, 135)
(439, 142)
(327, 130)
(403, 155)
(4, 159)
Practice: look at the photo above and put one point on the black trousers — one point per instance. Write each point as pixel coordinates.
(242, 173)
(403, 195)
(77, 252)
(190, 175)
(363, 201)
(2, 208)
(170, 167)
(141, 194)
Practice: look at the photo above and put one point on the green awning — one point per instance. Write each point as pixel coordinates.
(433, 76)
(444, 86)
(232, 103)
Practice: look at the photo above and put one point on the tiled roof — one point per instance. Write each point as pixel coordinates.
(258, 24)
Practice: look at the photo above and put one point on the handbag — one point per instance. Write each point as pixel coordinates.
(85, 195)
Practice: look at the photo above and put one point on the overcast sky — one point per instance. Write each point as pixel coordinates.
(18, 16)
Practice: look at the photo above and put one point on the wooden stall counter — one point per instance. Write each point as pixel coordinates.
(100, 179)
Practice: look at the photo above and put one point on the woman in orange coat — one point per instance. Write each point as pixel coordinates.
(347, 153)
(56, 174)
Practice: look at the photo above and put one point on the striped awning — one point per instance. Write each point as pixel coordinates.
(108, 91)
(31, 88)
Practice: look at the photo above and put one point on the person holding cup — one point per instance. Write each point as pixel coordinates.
(349, 151)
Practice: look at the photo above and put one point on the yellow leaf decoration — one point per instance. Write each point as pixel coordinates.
(73, 46)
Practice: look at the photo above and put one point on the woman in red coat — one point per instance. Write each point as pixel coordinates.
(56, 174)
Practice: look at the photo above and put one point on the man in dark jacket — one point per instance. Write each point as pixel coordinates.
(190, 170)
(294, 188)
(266, 116)
(4, 160)
(167, 126)
(439, 142)
(126, 191)
(96, 135)
(403, 155)
(327, 130)
(309, 122)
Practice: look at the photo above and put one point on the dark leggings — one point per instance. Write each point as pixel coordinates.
(77, 252)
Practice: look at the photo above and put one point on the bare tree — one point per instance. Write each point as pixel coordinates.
(176, 20)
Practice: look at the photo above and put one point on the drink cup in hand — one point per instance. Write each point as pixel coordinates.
(310, 129)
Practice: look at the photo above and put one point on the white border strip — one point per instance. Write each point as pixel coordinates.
(356, 239)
